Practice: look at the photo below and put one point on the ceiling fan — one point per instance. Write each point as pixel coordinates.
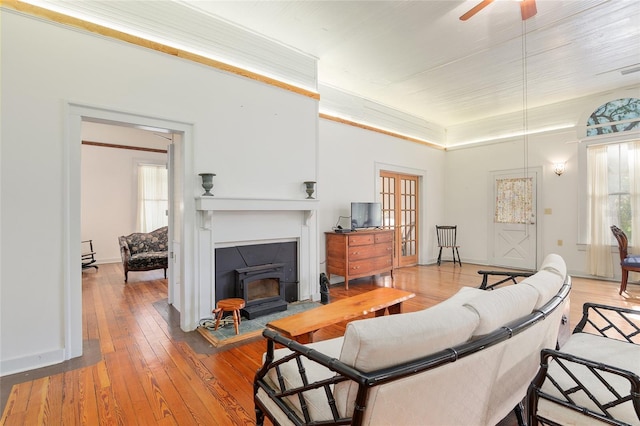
(527, 9)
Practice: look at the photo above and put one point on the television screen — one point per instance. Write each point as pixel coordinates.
(366, 215)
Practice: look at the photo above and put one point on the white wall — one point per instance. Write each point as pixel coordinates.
(558, 130)
(109, 183)
(260, 140)
(469, 189)
(109, 189)
(351, 158)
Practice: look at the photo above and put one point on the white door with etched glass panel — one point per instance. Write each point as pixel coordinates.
(514, 242)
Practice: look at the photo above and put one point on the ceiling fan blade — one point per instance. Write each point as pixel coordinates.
(528, 9)
(475, 9)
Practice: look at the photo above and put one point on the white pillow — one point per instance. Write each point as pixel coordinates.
(555, 263)
(461, 297)
(546, 283)
(498, 307)
(375, 343)
(385, 341)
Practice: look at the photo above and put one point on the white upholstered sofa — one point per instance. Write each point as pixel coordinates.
(466, 361)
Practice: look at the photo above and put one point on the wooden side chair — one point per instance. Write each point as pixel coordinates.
(628, 262)
(447, 238)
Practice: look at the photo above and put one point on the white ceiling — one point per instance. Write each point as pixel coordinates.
(417, 56)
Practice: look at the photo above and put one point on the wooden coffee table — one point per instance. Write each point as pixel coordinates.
(302, 326)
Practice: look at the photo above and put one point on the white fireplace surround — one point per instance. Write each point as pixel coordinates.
(226, 222)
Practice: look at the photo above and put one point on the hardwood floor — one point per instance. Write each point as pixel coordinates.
(138, 367)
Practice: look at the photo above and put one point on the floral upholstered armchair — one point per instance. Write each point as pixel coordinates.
(142, 251)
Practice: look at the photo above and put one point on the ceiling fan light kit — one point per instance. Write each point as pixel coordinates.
(528, 9)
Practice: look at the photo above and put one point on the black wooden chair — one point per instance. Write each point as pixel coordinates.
(447, 238)
(88, 255)
(628, 262)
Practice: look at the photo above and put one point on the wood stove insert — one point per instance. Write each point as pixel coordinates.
(262, 287)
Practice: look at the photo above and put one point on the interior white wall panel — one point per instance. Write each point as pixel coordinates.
(178, 25)
(260, 140)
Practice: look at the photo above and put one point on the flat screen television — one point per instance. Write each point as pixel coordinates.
(366, 215)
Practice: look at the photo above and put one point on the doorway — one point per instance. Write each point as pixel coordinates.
(72, 274)
(119, 163)
(514, 213)
(400, 212)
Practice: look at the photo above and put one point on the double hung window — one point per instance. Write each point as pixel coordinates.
(152, 197)
(612, 180)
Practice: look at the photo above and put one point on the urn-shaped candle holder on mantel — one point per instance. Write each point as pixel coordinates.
(310, 189)
(207, 183)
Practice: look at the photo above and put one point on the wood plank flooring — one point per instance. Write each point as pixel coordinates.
(139, 368)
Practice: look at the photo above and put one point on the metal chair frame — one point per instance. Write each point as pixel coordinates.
(603, 322)
(510, 276)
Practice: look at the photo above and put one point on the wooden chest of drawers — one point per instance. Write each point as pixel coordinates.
(359, 254)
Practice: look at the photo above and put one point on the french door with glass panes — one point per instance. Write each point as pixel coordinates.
(399, 198)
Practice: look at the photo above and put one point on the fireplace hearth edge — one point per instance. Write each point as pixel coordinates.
(266, 308)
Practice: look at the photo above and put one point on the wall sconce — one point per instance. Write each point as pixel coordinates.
(558, 168)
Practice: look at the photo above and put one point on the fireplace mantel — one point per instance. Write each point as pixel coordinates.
(239, 204)
(211, 204)
(218, 208)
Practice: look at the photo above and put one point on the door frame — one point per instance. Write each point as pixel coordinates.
(493, 174)
(422, 197)
(399, 228)
(72, 275)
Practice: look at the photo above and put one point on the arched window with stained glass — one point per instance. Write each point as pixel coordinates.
(621, 115)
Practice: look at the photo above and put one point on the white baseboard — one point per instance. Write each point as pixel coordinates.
(113, 260)
(31, 362)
